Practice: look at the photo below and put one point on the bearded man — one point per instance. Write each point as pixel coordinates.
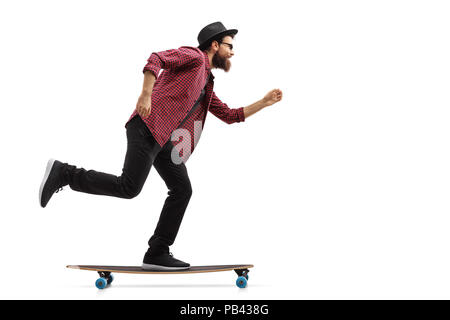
(162, 132)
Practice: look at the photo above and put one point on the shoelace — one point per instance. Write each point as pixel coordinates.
(59, 190)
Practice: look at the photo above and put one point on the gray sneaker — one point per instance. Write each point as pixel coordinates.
(163, 262)
(53, 181)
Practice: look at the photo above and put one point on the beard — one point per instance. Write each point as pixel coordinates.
(221, 63)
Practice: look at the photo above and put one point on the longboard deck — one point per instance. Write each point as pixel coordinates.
(106, 277)
(139, 270)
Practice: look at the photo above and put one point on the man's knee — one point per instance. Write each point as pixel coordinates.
(183, 190)
(132, 193)
(130, 189)
(188, 191)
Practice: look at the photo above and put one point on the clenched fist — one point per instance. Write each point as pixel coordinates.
(272, 97)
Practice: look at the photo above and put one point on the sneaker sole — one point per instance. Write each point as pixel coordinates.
(47, 173)
(155, 267)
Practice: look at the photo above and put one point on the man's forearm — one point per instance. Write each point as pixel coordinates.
(149, 81)
(253, 108)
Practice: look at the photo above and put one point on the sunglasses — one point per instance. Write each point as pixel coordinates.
(228, 44)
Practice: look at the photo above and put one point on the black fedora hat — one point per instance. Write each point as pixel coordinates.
(213, 30)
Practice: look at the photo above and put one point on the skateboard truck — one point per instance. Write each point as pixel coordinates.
(242, 272)
(104, 274)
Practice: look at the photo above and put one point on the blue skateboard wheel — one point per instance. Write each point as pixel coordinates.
(101, 283)
(241, 282)
(110, 279)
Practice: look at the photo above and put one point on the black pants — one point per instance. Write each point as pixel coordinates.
(142, 152)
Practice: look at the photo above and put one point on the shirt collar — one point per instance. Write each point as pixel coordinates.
(207, 65)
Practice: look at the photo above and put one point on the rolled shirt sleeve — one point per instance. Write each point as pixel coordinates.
(153, 65)
(173, 58)
(224, 113)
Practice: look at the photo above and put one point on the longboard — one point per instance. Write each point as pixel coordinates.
(106, 277)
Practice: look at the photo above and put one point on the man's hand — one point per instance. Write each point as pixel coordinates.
(272, 97)
(269, 99)
(144, 105)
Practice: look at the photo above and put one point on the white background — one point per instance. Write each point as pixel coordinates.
(340, 191)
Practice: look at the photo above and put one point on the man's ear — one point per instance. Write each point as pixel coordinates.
(215, 45)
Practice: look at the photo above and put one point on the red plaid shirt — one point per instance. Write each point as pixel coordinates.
(176, 90)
